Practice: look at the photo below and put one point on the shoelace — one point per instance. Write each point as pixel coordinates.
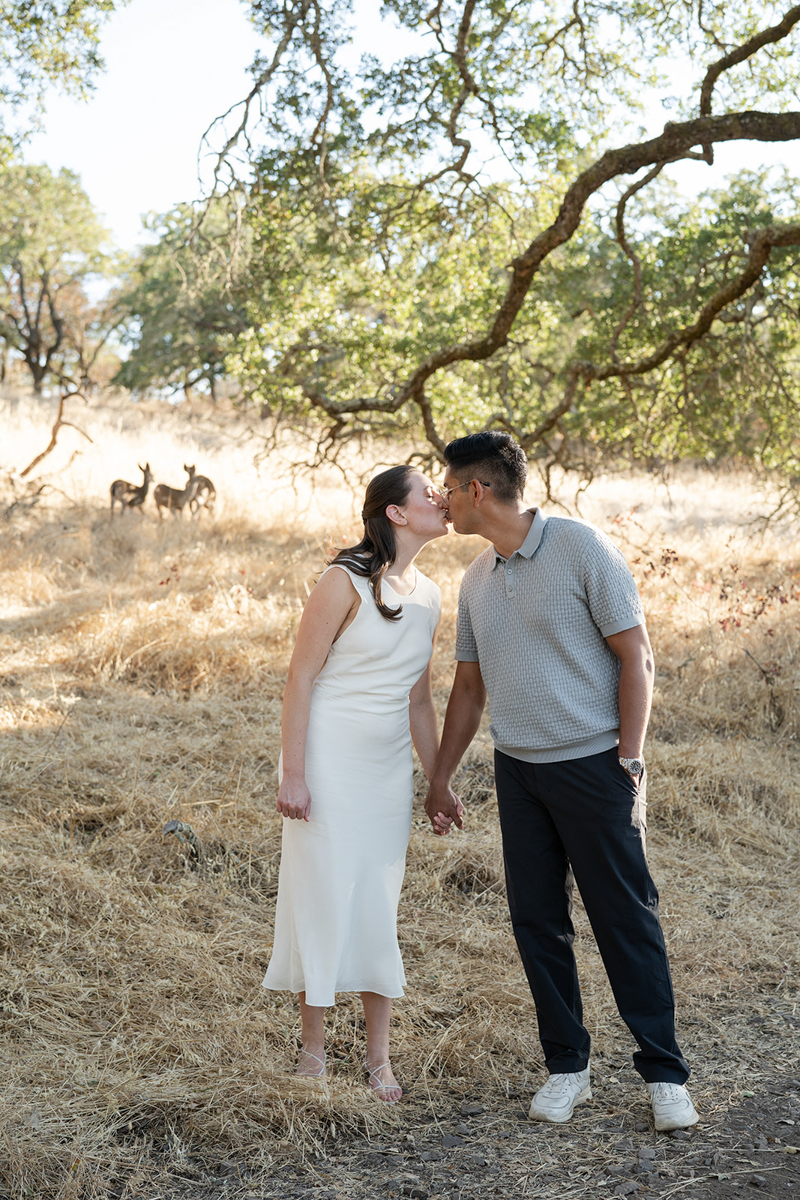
(667, 1091)
(560, 1083)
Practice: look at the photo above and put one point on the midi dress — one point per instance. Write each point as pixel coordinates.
(342, 870)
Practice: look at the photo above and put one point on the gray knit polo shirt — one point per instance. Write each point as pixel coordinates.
(537, 625)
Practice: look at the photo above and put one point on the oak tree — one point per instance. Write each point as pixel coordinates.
(183, 300)
(472, 228)
(52, 245)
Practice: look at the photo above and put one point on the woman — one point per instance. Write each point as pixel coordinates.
(357, 695)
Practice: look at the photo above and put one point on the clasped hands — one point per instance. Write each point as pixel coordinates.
(442, 805)
(444, 808)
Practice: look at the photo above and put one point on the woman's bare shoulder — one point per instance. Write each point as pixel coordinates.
(337, 581)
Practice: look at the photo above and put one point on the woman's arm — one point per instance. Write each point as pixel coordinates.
(331, 606)
(422, 717)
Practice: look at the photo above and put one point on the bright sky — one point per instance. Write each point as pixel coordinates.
(172, 66)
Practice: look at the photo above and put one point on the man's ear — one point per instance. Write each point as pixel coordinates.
(394, 515)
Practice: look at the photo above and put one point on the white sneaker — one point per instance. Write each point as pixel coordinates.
(556, 1100)
(672, 1107)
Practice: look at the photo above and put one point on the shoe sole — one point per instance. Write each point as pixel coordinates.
(667, 1125)
(586, 1094)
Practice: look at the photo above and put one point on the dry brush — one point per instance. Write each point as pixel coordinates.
(142, 673)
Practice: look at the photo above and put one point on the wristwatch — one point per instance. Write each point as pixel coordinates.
(634, 766)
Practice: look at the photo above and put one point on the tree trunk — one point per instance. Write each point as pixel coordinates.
(37, 371)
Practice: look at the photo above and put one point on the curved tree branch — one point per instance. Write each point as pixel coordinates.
(431, 432)
(764, 38)
(578, 372)
(59, 423)
(688, 139)
(294, 19)
(673, 143)
(630, 254)
(761, 244)
(468, 87)
(319, 132)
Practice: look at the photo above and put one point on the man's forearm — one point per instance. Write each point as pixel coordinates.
(464, 711)
(463, 717)
(632, 648)
(635, 696)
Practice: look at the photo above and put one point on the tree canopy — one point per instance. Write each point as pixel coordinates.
(472, 228)
(51, 245)
(44, 42)
(51, 241)
(475, 226)
(184, 299)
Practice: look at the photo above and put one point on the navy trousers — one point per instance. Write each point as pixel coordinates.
(585, 819)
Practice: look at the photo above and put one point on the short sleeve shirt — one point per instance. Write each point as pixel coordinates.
(537, 623)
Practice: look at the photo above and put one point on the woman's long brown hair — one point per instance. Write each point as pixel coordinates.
(377, 550)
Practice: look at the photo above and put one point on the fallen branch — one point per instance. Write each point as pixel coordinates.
(59, 423)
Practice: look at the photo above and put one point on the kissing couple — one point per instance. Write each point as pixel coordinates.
(552, 632)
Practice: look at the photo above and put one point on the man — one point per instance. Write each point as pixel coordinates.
(550, 626)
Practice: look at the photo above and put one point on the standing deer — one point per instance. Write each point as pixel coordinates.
(174, 499)
(127, 495)
(206, 492)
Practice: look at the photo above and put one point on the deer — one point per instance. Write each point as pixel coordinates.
(128, 495)
(206, 492)
(174, 499)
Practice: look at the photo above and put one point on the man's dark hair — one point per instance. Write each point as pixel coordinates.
(492, 457)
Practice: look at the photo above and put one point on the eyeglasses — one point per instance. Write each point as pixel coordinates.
(445, 492)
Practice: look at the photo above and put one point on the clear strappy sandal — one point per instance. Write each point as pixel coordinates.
(373, 1080)
(312, 1074)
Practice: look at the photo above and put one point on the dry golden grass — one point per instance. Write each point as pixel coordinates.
(141, 672)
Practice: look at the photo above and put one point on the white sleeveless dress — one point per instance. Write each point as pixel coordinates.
(342, 870)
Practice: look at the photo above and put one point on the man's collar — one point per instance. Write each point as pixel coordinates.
(532, 538)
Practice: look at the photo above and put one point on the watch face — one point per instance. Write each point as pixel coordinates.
(634, 766)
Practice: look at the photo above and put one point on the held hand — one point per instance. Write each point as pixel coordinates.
(444, 808)
(294, 799)
(442, 823)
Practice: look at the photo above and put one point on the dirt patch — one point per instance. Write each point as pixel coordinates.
(484, 1146)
